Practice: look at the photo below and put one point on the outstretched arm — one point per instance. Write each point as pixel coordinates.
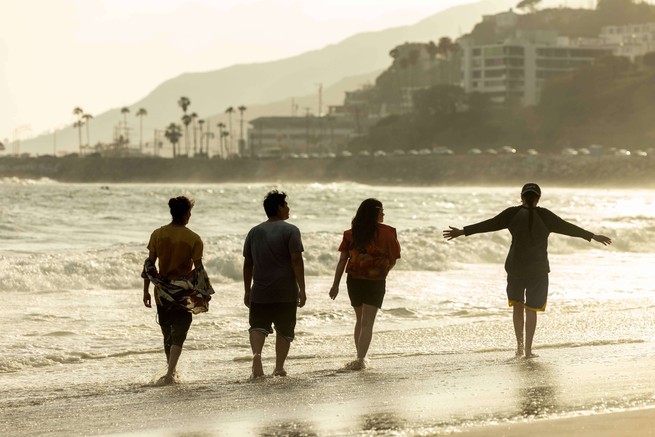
(605, 241)
(452, 233)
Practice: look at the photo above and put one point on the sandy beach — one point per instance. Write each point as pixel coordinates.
(80, 351)
(475, 394)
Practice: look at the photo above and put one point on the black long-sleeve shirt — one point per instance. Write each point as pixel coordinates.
(528, 253)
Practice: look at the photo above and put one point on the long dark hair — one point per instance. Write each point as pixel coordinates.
(365, 222)
(530, 198)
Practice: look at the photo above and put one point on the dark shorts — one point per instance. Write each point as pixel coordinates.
(282, 315)
(366, 291)
(529, 291)
(174, 323)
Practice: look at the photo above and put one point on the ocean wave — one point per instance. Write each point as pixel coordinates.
(27, 181)
(423, 249)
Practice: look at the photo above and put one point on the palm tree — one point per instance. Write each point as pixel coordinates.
(186, 120)
(173, 133)
(194, 116)
(184, 103)
(225, 134)
(242, 143)
(229, 111)
(86, 118)
(220, 127)
(125, 110)
(200, 126)
(141, 113)
(78, 124)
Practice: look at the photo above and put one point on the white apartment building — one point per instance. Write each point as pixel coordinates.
(631, 40)
(517, 68)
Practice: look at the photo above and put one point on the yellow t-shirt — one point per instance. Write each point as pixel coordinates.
(176, 248)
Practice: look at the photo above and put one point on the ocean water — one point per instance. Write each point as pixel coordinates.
(76, 338)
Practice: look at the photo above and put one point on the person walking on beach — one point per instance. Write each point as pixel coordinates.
(527, 264)
(178, 250)
(369, 250)
(274, 282)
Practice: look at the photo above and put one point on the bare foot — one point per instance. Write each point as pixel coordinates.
(519, 351)
(358, 364)
(257, 368)
(165, 380)
(280, 372)
(531, 355)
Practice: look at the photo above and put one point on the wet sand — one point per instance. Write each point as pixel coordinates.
(566, 391)
(635, 423)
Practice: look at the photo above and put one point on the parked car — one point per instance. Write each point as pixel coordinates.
(379, 153)
(399, 152)
(531, 152)
(474, 151)
(441, 151)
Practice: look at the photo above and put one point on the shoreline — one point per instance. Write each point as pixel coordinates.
(636, 422)
(429, 170)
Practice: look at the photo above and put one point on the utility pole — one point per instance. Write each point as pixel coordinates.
(320, 116)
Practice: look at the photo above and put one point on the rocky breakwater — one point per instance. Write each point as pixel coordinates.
(557, 170)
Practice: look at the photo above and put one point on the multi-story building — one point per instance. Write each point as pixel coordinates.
(631, 40)
(516, 68)
(282, 136)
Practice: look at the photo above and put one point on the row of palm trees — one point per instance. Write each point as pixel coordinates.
(84, 119)
(173, 131)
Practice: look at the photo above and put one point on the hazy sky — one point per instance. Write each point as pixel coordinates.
(102, 54)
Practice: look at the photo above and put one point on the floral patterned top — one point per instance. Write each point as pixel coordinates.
(373, 261)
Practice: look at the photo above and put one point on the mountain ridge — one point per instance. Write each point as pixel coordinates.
(261, 84)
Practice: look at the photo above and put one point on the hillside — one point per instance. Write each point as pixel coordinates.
(264, 83)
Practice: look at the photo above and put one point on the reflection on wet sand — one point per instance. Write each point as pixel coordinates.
(382, 422)
(537, 392)
(288, 429)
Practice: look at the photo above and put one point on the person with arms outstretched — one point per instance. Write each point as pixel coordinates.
(527, 263)
(369, 250)
(274, 282)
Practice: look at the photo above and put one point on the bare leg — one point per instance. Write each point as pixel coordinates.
(257, 340)
(518, 328)
(173, 357)
(358, 325)
(281, 351)
(530, 328)
(366, 334)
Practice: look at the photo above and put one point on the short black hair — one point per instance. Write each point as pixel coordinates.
(273, 200)
(179, 206)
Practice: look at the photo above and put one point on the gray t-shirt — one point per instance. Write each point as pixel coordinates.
(270, 245)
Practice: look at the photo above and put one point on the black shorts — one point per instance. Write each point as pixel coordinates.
(282, 315)
(366, 291)
(529, 291)
(174, 323)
